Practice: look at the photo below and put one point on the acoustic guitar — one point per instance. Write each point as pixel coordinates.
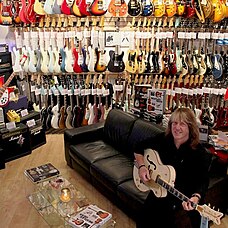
(162, 181)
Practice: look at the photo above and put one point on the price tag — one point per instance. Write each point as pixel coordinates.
(168, 91)
(37, 92)
(94, 91)
(181, 35)
(178, 90)
(69, 92)
(221, 36)
(215, 35)
(193, 35)
(87, 92)
(10, 125)
(207, 35)
(199, 91)
(56, 93)
(169, 35)
(138, 35)
(119, 87)
(173, 93)
(128, 91)
(99, 92)
(105, 92)
(64, 92)
(24, 112)
(190, 92)
(188, 35)
(215, 91)
(33, 88)
(201, 35)
(185, 91)
(82, 92)
(77, 91)
(206, 90)
(195, 91)
(31, 123)
(226, 35)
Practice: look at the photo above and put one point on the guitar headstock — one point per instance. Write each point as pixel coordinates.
(209, 213)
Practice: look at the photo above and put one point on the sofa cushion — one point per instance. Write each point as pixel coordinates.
(86, 153)
(112, 171)
(117, 128)
(142, 130)
(130, 196)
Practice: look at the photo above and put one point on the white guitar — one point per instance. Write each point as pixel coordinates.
(48, 6)
(163, 179)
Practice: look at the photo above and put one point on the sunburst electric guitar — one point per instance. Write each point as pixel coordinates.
(162, 180)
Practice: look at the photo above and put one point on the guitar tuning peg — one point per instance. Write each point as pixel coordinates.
(213, 207)
(209, 205)
(218, 209)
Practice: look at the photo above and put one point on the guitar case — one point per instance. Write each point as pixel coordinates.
(6, 68)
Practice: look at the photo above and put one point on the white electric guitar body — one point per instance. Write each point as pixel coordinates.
(56, 66)
(25, 65)
(69, 60)
(32, 61)
(44, 61)
(48, 6)
(51, 60)
(55, 117)
(163, 179)
(17, 66)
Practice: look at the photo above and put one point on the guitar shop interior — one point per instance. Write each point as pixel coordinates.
(108, 71)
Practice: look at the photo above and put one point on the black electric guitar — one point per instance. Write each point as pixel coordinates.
(163, 179)
(134, 8)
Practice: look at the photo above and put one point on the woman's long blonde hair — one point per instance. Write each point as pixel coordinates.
(185, 115)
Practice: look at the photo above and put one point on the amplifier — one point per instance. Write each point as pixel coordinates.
(16, 142)
(32, 115)
(5, 59)
(37, 135)
(2, 159)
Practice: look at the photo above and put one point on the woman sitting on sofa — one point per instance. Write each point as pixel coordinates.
(179, 147)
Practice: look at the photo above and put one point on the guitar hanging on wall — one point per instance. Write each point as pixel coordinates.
(162, 180)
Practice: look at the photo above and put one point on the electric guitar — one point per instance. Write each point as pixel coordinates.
(116, 63)
(134, 8)
(147, 8)
(163, 179)
(118, 8)
(98, 8)
(83, 6)
(6, 13)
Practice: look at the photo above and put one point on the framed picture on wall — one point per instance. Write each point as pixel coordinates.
(110, 39)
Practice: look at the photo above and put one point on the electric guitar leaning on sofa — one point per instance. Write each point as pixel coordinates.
(162, 180)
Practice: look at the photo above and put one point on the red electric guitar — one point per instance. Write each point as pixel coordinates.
(4, 91)
(84, 7)
(6, 13)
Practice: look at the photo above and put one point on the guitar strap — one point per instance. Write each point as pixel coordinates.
(204, 222)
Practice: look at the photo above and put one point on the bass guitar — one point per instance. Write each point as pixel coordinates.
(163, 179)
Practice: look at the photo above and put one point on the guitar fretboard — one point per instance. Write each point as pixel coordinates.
(173, 191)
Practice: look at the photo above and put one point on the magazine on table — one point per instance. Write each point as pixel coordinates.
(91, 216)
(41, 173)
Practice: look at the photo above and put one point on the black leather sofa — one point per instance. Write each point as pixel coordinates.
(103, 154)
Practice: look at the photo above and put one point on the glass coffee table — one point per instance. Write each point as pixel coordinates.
(56, 200)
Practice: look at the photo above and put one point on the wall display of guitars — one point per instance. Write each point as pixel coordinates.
(31, 11)
(70, 101)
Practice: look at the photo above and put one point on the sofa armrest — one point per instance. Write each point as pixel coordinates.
(80, 135)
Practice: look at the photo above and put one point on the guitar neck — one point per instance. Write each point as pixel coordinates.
(174, 192)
